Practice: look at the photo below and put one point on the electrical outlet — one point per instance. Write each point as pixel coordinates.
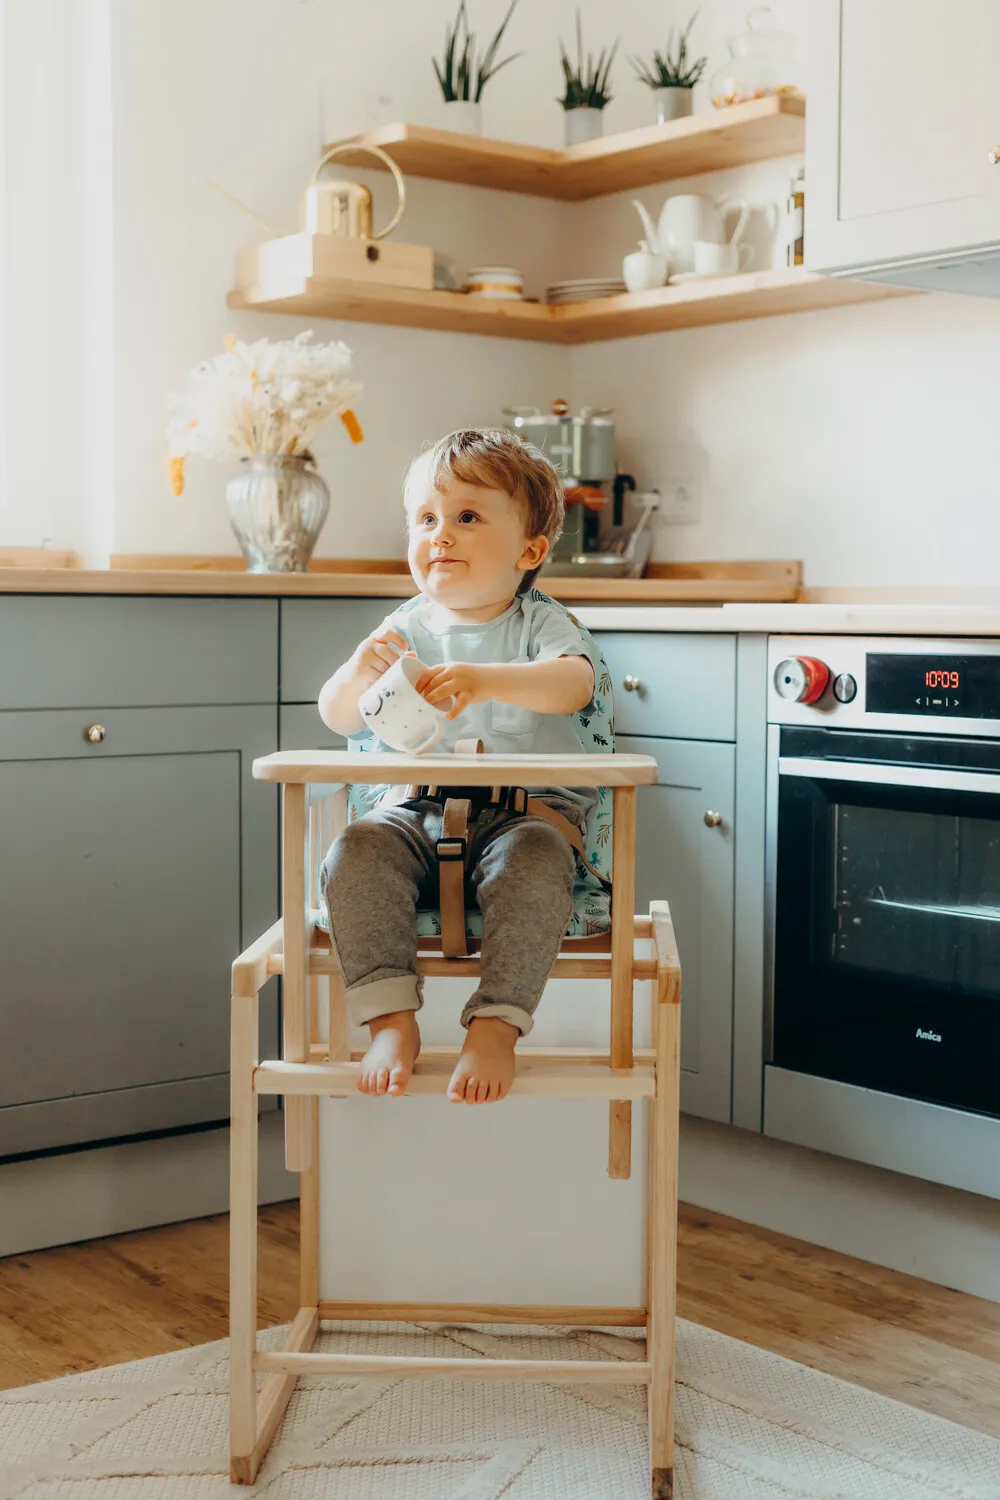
(680, 502)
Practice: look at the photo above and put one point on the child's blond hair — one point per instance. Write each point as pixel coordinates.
(498, 460)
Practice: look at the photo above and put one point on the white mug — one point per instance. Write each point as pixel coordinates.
(711, 259)
(395, 712)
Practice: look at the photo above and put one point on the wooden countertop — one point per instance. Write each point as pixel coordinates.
(676, 583)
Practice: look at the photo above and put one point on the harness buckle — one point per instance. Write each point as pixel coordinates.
(451, 849)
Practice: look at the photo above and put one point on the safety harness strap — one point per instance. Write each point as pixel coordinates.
(451, 850)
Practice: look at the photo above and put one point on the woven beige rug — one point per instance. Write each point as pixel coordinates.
(750, 1426)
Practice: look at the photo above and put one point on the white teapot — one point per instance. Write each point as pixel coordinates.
(687, 217)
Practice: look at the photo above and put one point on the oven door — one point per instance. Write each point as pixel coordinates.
(886, 943)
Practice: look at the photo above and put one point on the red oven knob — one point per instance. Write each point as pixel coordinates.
(801, 679)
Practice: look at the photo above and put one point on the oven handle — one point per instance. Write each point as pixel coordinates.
(884, 775)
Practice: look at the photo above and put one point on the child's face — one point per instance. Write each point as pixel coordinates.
(467, 547)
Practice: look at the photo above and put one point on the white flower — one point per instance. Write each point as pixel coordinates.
(265, 397)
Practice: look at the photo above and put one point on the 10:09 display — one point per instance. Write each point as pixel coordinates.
(941, 679)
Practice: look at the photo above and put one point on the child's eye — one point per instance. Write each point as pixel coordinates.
(428, 518)
(468, 515)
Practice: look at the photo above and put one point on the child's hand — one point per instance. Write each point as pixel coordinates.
(376, 653)
(455, 679)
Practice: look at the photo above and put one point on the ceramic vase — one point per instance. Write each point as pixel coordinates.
(464, 116)
(672, 104)
(583, 125)
(277, 507)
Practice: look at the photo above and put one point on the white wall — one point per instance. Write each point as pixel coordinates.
(861, 440)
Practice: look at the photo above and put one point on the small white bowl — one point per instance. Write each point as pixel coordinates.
(503, 282)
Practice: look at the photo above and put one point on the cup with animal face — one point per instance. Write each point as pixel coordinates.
(397, 714)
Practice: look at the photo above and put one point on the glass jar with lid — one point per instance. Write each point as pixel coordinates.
(762, 62)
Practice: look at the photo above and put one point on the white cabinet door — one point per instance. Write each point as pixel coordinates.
(904, 110)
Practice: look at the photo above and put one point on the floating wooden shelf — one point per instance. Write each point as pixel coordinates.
(703, 143)
(726, 299)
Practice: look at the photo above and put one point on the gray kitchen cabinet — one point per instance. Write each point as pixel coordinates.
(318, 635)
(681, 686)
(681, 859)
(134, 870)
(67, 651)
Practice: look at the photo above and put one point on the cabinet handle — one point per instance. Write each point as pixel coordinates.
(712, 819)
(94, 734)
(632, 685)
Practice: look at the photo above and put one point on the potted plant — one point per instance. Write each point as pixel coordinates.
(672, 76)
(587, 90)
(462, 80)
(262, 403)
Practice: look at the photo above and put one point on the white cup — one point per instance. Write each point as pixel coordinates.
(720, 260)
(396, 713)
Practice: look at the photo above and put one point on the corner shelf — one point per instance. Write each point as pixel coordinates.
(728, 299)
(707, 142)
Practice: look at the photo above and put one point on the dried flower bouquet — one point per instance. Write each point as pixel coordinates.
(268, 397)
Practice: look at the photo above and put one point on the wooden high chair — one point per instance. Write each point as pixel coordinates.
(310, 1069)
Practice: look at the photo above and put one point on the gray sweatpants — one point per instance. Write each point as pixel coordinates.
(520, 870)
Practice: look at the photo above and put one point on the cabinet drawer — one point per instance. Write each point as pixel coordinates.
(318, 635)
(58, 651)
(687, 684)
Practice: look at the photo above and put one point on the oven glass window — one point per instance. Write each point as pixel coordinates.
(912, 893)
(887, 938)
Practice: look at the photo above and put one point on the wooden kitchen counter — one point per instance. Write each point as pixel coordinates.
(664, 583)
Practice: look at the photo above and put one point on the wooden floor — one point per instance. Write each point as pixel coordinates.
(138, 1294)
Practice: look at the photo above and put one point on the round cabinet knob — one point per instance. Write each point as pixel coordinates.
(713, 819)
(801, 679)
(94, 734)
(995, 157)
(845, 688)
(632, 685)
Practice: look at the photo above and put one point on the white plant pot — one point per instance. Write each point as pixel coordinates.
(672, 104)
(465, 116)
(583, 125)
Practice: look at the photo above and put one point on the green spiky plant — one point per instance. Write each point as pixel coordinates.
(458, 73)
(672, 70)
(587, 87)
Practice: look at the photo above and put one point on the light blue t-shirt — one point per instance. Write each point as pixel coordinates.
(530, 629)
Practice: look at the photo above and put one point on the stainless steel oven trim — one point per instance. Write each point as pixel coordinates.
(923, 777)
(770, 883)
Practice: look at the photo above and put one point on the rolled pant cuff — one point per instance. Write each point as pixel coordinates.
(383, 996)
(512, 1014)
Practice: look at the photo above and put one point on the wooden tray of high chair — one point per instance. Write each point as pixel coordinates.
(310, 1069)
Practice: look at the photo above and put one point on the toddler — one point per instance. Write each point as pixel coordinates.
(511, 667)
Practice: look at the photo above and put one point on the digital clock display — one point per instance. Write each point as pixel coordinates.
(963, 687)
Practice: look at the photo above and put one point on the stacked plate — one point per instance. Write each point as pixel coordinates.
(562, 292)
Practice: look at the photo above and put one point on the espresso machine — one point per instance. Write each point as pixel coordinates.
(595, 541)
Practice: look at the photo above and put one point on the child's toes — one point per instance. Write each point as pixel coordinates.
(382, 1081)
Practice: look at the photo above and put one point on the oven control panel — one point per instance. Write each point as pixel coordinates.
(886, 682)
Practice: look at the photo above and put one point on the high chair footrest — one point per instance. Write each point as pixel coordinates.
(532, 1080)
(554, 1371)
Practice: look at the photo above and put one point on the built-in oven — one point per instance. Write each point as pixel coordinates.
(882, 1005)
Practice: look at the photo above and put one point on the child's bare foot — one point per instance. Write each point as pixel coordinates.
(388, 1063)
(485, 1070)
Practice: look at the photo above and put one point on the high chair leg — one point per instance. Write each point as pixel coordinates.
(662, 1217)
(622, 955)
(295, 993)
(243, 1241)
